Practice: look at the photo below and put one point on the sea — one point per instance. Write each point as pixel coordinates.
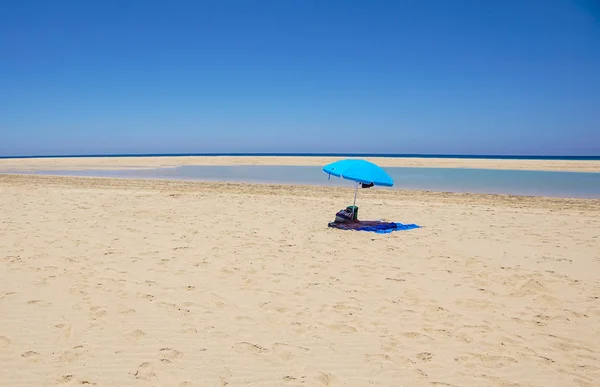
(389, 155)
(486, 181)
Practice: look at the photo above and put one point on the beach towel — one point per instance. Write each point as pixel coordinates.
(376, 226)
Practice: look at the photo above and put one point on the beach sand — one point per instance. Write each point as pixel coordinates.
(141, 283)
(155, 162)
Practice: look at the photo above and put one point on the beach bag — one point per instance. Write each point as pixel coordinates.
(343, 216)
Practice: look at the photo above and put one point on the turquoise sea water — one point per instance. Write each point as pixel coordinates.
(530, 183)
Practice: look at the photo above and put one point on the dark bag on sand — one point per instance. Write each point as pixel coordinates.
(343, 216)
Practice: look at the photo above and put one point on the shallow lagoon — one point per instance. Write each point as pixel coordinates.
(514, 182)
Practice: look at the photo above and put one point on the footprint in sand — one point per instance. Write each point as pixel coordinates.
(276, 308)
(31, 356)
(489, 361)
(301, 328)
(7, 295)
(66, 331)
(377, 358)
(290, 378)
(126, 311)
(530, 287)
(325, 379)
(145, 371)
(288, 352)
(173, 307)
(214, 304)
(4, 342)
(148, 297)
(66, 378)
(202, 263)
(97, 312)
(136, 334)
(477, 304)
(78, 292)
(224, 377)
(417, 335)
(342, 328)
(38, 303)
(168, 355)
(245, 347)
(188, 328)
(68, 357)
(425, 356)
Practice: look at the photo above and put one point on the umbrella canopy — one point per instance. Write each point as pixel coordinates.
(360, 171)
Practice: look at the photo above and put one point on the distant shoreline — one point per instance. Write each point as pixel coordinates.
(162, 161)
(294, 189)
(369, 155)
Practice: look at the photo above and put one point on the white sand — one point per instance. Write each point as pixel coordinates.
(153, 162)
(148, 283)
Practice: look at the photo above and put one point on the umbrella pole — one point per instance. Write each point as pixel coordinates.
(354, 205)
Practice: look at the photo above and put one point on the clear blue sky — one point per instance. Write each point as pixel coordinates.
(415, 76)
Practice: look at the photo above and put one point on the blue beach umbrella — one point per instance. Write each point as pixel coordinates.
(362, 172)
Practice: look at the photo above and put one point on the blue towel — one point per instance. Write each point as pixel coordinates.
(373, 226)
(386, 228)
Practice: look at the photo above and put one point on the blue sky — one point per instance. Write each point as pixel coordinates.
(475, 77)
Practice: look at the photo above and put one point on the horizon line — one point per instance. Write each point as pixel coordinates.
(309, 154)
